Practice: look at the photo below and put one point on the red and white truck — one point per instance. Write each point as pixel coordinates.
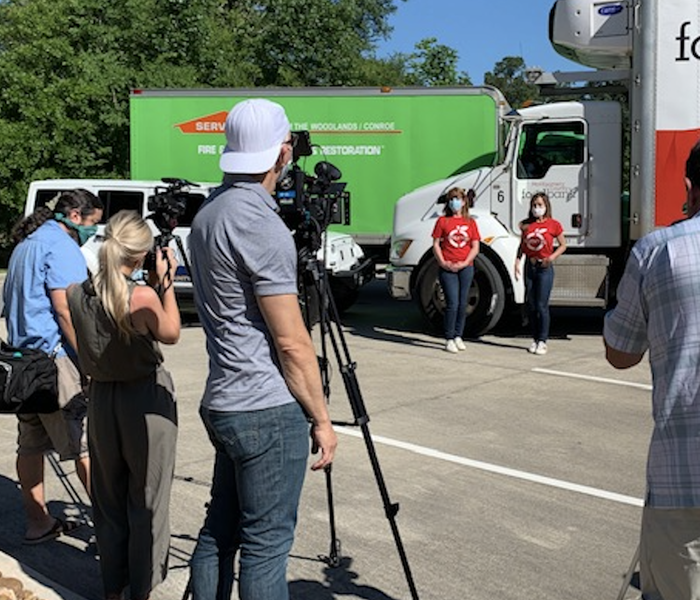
(651, 50)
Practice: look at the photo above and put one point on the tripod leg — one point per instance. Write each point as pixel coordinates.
(333, 558)
(332, 326)
(70, 488)
(630, 573)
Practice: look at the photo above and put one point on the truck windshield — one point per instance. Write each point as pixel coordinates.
(543, 145)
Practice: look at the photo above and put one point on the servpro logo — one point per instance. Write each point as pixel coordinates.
(209, 124)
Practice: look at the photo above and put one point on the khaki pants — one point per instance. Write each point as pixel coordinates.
(62, 430)
(669, 560)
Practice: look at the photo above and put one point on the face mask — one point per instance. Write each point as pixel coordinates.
(538, 211)
(85, 232)
(138, 275)
(285, 171)
(456, 205)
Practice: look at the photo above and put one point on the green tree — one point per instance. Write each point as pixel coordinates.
(67, 67)
(509, 76)
(434, 64)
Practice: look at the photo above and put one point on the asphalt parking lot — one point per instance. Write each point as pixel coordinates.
(518, 476)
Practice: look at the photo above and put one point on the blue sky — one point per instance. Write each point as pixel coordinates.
(482, 32)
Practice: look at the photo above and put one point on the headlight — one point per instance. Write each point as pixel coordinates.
(399, 248)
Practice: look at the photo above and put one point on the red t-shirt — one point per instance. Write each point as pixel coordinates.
(456, 235)
(538, 239)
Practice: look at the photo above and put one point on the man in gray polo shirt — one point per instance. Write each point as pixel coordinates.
(264, 385)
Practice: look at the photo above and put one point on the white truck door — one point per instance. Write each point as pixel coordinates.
(551, 157)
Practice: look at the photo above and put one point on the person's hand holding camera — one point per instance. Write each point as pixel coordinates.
(166, 264)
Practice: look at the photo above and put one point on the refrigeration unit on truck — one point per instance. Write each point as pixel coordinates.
(574, 152)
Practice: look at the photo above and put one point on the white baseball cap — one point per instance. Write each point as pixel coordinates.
(255, 130)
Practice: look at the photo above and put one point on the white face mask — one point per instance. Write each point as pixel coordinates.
(538, 211)
(285, 171)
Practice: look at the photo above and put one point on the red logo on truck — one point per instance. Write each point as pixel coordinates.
(208, 124)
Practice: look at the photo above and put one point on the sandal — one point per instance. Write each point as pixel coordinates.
(59, 527)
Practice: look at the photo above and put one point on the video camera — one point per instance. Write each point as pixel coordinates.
(310, 203)
(167, 205)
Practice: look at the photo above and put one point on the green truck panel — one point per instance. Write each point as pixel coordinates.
(385, 144)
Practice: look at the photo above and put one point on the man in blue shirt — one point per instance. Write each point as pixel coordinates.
(659, 310)
(44, 263)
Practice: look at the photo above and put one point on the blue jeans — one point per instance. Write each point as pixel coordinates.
(456, 286)
(258, 475)
(538, 287)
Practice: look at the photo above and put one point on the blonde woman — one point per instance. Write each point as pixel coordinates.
(132, 417)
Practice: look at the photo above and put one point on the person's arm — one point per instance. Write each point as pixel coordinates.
(59, 301)
(519, 255)
(473, 251)
(619, 359)
(300, 369)
(437, 251)
(561, 248)
(159, 315)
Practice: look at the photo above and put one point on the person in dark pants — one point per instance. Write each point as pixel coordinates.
(132, 416)
(455, 246)
(539, 232)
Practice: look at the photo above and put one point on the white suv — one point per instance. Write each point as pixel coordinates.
(345, 262)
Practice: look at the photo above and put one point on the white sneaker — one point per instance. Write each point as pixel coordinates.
(533, 348)
(451, 347)
(541, 348)
(459, 342)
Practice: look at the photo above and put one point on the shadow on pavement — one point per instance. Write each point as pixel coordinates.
(58, 560)
(339, 581)
(376, 315)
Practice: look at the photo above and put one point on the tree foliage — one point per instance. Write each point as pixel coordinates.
(509, 76)
(433, 64)
(67, 67)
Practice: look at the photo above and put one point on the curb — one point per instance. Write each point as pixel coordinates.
(42, 587)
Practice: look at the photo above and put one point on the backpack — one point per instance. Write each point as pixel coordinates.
(28, 381)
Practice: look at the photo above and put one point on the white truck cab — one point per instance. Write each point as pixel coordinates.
(570, 150)
(345, 262)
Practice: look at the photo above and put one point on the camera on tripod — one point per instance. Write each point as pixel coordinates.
(167, 205)
(310, 203)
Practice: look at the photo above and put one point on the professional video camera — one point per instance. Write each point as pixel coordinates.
(167, 205)
(310, 203)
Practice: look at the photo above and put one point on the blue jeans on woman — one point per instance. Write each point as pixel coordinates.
(258, 475)
(455, 287)
(538, 287)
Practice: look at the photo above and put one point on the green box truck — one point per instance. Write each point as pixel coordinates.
(386, 142)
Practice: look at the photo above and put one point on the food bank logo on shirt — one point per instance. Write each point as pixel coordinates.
(459, 236)
(534, 240)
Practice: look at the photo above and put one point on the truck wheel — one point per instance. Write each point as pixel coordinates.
(487, 297)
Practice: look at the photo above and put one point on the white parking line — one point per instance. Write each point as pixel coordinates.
(482, 466)
(641, 386)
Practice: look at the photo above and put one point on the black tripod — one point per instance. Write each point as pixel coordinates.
(313, 277)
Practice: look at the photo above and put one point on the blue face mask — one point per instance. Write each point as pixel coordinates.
(85, 232)
(138, 275)
(455, 205)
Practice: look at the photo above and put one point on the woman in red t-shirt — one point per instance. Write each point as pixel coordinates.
(539, 231)
(455, 245)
